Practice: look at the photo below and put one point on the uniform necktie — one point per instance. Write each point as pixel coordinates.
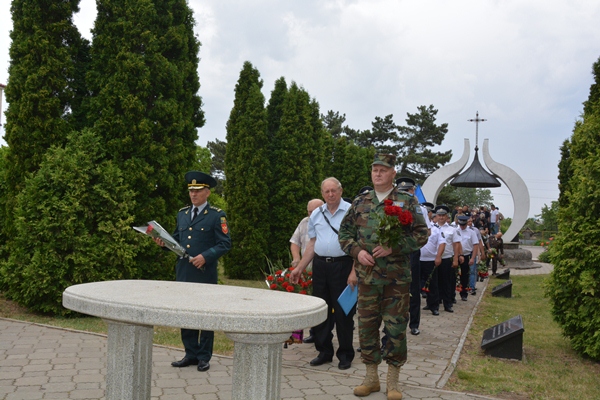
(195, 213)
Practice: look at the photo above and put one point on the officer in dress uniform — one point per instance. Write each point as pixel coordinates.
(203, 232)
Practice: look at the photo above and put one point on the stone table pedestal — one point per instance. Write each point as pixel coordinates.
(258, 321)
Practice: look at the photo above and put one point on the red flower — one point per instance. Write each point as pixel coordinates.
(388, 202)
(285, 284)
(303, 292)
(426, 290)
(280, 279)
(279, 272)
(273, 286)
(270, 278)
(289, 288)
(405, 218)
(291, 268)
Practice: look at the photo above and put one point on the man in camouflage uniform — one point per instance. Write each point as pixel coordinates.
(383, 274)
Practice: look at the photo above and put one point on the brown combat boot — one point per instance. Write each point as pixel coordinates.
(371, 382)
(392, 383)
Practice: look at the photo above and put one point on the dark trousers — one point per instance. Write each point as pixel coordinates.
(415, 290)
(464, 276)
(329, 281)
(430, 272)
(194, 349)
(447, 282)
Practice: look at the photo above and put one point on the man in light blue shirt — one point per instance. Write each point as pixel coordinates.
(332, 272)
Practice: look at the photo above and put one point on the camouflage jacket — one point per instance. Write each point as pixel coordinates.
(358, 231)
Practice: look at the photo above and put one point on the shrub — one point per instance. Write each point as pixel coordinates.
(73, 222)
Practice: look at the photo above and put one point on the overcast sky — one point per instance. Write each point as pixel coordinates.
(524, 65)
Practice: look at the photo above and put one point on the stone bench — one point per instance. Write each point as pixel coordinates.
(257, 320)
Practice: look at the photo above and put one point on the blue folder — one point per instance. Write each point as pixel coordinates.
(348, 298)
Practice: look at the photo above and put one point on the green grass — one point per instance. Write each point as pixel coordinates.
(165, 336)
(550, 368)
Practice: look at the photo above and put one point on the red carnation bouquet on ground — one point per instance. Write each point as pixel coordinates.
(393, 225)
(279, 279)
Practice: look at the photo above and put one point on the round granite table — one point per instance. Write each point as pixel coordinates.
(257, 320)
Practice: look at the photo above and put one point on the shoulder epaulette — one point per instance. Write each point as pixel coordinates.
(183, 208)
(215, 208)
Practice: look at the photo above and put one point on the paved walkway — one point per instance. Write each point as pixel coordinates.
(43, 362)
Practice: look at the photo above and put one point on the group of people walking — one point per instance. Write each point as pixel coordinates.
(349, 243)
(345, 248)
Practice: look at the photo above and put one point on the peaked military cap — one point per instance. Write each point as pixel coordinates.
(463, 219)
(428, 206)
(442, 210)
(387, 160)
(405, 183)
(365, 189)
(199, 180)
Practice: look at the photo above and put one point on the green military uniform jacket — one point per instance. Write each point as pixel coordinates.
(358, 231)
(208, 235)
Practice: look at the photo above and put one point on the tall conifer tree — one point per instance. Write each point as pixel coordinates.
(42, 82)
(144, 102)
(574, 287)
(295, 180)
(415, 141)
(44, 90)
(248, 172)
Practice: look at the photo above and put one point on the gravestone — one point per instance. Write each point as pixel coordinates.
(505, 340)
(503, 289)
(504, 274)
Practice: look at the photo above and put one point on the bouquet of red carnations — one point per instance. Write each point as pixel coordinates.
(393, 225)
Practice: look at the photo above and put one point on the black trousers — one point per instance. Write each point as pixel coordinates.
(447, 282)
(464, 276)
(415, 290)
(428, 270)
(329, 281)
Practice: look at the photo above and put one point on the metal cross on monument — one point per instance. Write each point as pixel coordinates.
(477, 120)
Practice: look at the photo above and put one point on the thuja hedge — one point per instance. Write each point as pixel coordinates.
(574, 285)
(73, 222)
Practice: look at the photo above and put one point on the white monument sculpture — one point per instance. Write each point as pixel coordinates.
(433, 185)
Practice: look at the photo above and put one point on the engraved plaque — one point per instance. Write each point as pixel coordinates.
(503, 289)
(505, 340)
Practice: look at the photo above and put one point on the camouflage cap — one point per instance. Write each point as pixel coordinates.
(387, 160)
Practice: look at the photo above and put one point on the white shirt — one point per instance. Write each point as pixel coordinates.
(447, 232)
(430, 249)
(327, 243)
(494, 216)
(468, 239)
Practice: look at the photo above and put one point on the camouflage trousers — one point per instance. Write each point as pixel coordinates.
(388, 304)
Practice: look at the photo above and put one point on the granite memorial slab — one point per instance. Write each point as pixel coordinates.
(503, 289)
(505, 340)
(504, 274)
